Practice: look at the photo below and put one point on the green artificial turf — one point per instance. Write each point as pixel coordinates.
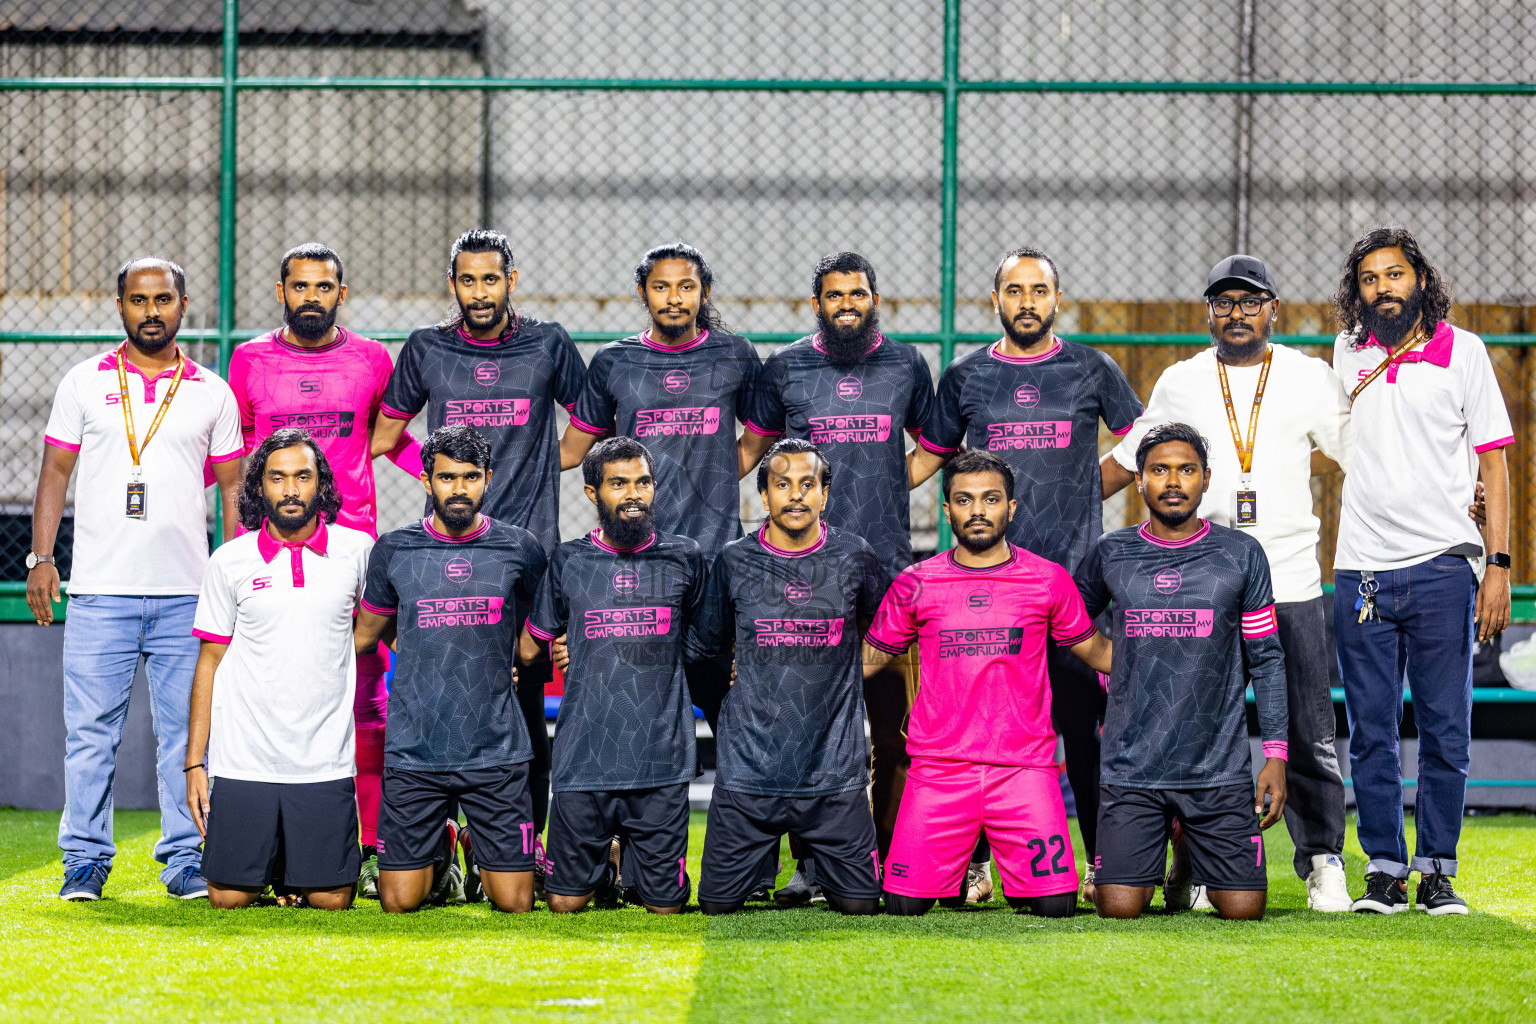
(140, 956)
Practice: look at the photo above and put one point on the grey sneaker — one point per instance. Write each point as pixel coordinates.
(799, 892)
(83, 883)
(188, 885)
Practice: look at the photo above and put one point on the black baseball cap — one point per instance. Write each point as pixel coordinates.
(1239, 270)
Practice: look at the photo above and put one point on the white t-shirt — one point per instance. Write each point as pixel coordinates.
(1418, 430)
(282, 696)
(164, 553)
(1304, 407)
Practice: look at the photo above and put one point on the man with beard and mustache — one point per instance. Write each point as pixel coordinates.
(449, 591)
(1036, 400)
(1193, 628)
(1429, 422)
(503, 373)
(854, 392)
(141, 421)
(983, 749)
(627, 597)
(315, 375)
(275, 620)
(793, 600)
(1283, 406)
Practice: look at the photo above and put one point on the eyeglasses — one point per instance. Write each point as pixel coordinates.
(1249, 304)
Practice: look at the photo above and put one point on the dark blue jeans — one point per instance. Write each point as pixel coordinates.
(1422, 638)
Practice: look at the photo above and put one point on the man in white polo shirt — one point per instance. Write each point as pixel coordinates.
(141, 421)
(272, 699)
(1429, 422)
(1265, 408)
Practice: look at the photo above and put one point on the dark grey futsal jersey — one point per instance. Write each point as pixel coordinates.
(507, 390)
(1194, 625)
(451, 704)
(793, 722)
(683, 405)
(1040, 414)
(625, 720)
(856, 414)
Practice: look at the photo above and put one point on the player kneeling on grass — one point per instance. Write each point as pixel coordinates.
(623, 749)
(1194, 626)
(275, 618)
(791, 752)
(446, 592)
(983, 750)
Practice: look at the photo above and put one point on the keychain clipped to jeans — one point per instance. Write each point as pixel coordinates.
(1365, 604)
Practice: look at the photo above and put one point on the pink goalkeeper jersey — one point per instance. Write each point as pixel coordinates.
(981, 634)
(333, 392)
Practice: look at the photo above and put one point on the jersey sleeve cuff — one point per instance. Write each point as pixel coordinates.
(542, 634)
(237, 453)
(888, 646)
(936, 449)
(1073, 641)
(1277, 748)
(368, 605)
(1502, 442)
(60, 444)
(1261, 623)
(1123, 430)
(213, 638)
(585, 427)
(761, 431)
(395, 414)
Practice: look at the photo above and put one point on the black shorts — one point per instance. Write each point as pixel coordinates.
(496, 802)
(651, 823)
(1226, 847)
(314, 824)
(836, 831)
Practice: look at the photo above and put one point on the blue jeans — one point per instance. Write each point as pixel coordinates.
(104, 637)
(1423, 639)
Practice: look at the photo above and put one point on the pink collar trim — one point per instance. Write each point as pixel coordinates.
(517, 321)
(1437, 351)
(463, 538)
(596, 537)
(996, 351)
(109, 362)
(281, 339)
(649, 342)
(879, 340)
(1013, 555)
(762, 538)
(1146, 535)
(269, 546)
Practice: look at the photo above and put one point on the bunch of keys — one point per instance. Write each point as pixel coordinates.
(1365, 604)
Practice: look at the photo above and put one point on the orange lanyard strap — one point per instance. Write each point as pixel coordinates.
(134, 448)
(1245, 451)
(1401, 350)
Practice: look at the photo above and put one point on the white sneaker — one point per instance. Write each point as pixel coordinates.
(1327, 889)
(978, 882)
(1201, 901)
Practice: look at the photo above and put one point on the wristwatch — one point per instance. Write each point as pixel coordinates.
(1499, 560)
(33, 558)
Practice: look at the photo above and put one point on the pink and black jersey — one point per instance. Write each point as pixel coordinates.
(857, 414)
(334, 392)
(1194, 626)
(981, 639)
(625, 721)
(1041, 415)
(792, 724)
(451, 705)
(507, 389)
(682, 404)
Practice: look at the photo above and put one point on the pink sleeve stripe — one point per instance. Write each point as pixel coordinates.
(1124, 430)
(64, 445)
(213, 638)
(542, 634)
(585, 427)
(761, 432)
(888, 646)
(395, 414)
(237, 453)
(1277, 748)
(569, 406)
(1103, 681)
(1086, 634)
(375, 608)
(1260, 623)
(1500, 443)
(937, 449)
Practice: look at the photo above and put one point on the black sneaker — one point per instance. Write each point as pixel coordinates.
(474, 892)
(1383, 895)
(1435, 895)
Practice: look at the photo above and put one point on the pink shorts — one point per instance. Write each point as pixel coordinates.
(947, 804)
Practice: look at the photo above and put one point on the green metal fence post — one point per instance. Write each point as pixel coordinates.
(950, 199)
(227, 212)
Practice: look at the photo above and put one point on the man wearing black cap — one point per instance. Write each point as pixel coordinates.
(1264, 409)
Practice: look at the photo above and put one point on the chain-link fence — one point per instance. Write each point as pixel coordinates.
(1137, 142)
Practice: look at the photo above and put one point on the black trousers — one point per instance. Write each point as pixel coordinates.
(1314, 802)
(531, 680)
